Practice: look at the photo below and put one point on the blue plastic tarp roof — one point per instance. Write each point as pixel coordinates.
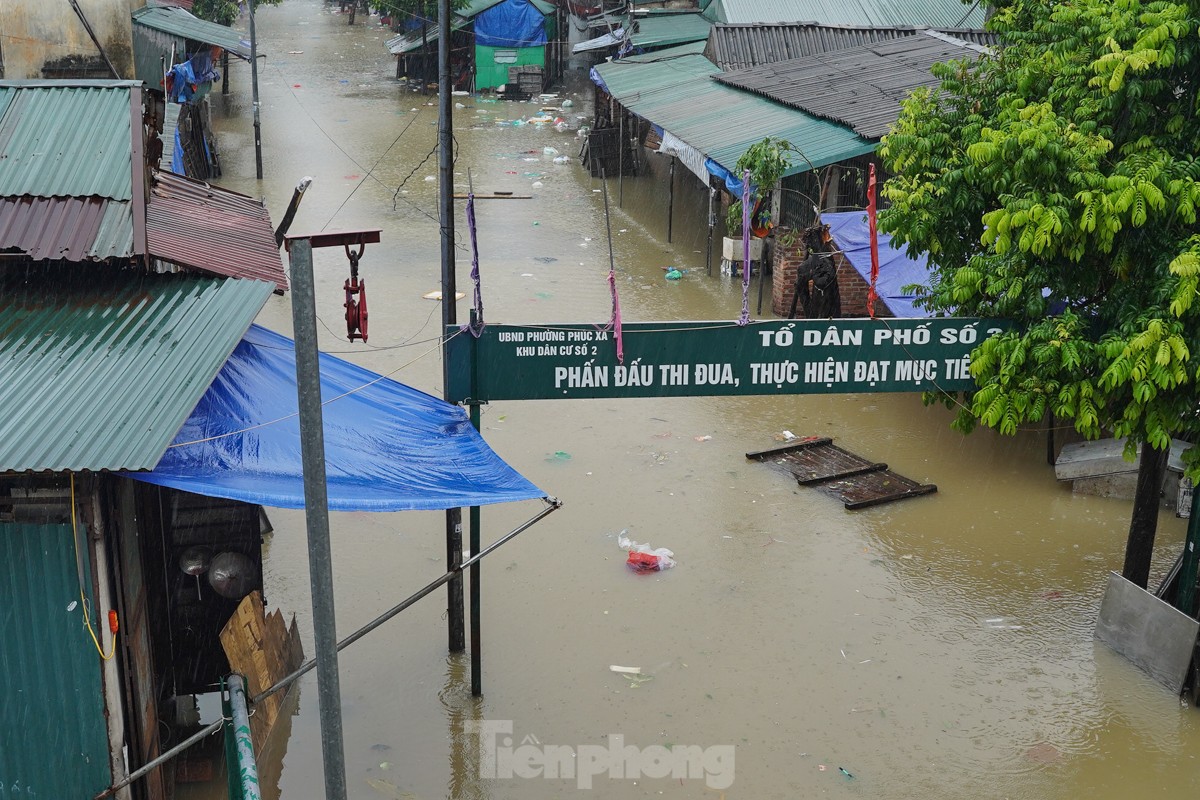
(896, 270)
(388, 447)
(513, 23)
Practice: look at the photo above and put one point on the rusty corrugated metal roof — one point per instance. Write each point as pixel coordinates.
(66, 228)
(99, 366)
(67, 138)
(861, 87)
(204, 227)
(733, 47)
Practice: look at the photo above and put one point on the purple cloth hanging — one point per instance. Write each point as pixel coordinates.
(745, 318)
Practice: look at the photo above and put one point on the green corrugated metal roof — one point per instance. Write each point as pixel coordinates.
(99, 367)
(719, 121)
(934, 13)
(689, 49)
(412, 41)
(55, 739)
(64, 139)
(179, 22)
(668, 29)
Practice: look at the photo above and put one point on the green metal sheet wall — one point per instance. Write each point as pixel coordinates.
(53, 741)
(489, 74)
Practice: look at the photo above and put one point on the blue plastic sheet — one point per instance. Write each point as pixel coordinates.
(388, 447)
(733, 183)
(513, 23)
(896, 270)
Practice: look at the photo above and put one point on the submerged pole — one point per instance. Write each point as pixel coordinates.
(254, 86)
(316, 513)
(476, 598)
(1185, 596)
(456, 615)
(671, 200)
(712, 221)
(621, 161)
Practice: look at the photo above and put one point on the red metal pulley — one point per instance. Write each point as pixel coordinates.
(356, 309)
(356, 299)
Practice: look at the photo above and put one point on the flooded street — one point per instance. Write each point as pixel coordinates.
(938, 648)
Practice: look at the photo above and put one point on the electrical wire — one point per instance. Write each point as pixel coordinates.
(87, 619)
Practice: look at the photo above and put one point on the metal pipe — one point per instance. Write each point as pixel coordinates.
(553, 504)
(161, 759)
(243, 744)
(456, 613)
(88, 27)
(258, 171)
(316, 512)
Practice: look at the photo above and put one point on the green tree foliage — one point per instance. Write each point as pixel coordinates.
(224, 12)
(1065, 169)
(767, 161)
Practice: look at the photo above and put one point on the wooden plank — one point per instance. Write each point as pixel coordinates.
(918, 491)
(847, 473)
(799, 444)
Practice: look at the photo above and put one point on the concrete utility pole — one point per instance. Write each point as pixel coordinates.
(254, 85)
(456, 616)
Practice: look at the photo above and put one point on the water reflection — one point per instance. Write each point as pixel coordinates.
(463, 713)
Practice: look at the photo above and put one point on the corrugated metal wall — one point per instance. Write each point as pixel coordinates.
(150, 47)
(53, 740)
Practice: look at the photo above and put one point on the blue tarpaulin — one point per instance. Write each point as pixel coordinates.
(513, 23)
(896, 270)
(388, 447)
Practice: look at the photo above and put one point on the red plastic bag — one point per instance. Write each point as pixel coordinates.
(646, 562)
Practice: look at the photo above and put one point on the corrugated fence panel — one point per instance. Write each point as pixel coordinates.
(55, 744)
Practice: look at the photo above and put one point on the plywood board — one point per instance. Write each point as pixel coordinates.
(1154, 635)
(264, 649)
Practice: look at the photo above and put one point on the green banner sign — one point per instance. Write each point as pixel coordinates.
(690, 359)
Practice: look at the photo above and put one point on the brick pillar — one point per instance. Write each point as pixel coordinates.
(784, 262)
(852, 286)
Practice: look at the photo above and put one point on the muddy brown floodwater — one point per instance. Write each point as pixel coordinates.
(939, 648)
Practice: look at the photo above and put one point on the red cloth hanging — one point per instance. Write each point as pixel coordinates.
(871, 295)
